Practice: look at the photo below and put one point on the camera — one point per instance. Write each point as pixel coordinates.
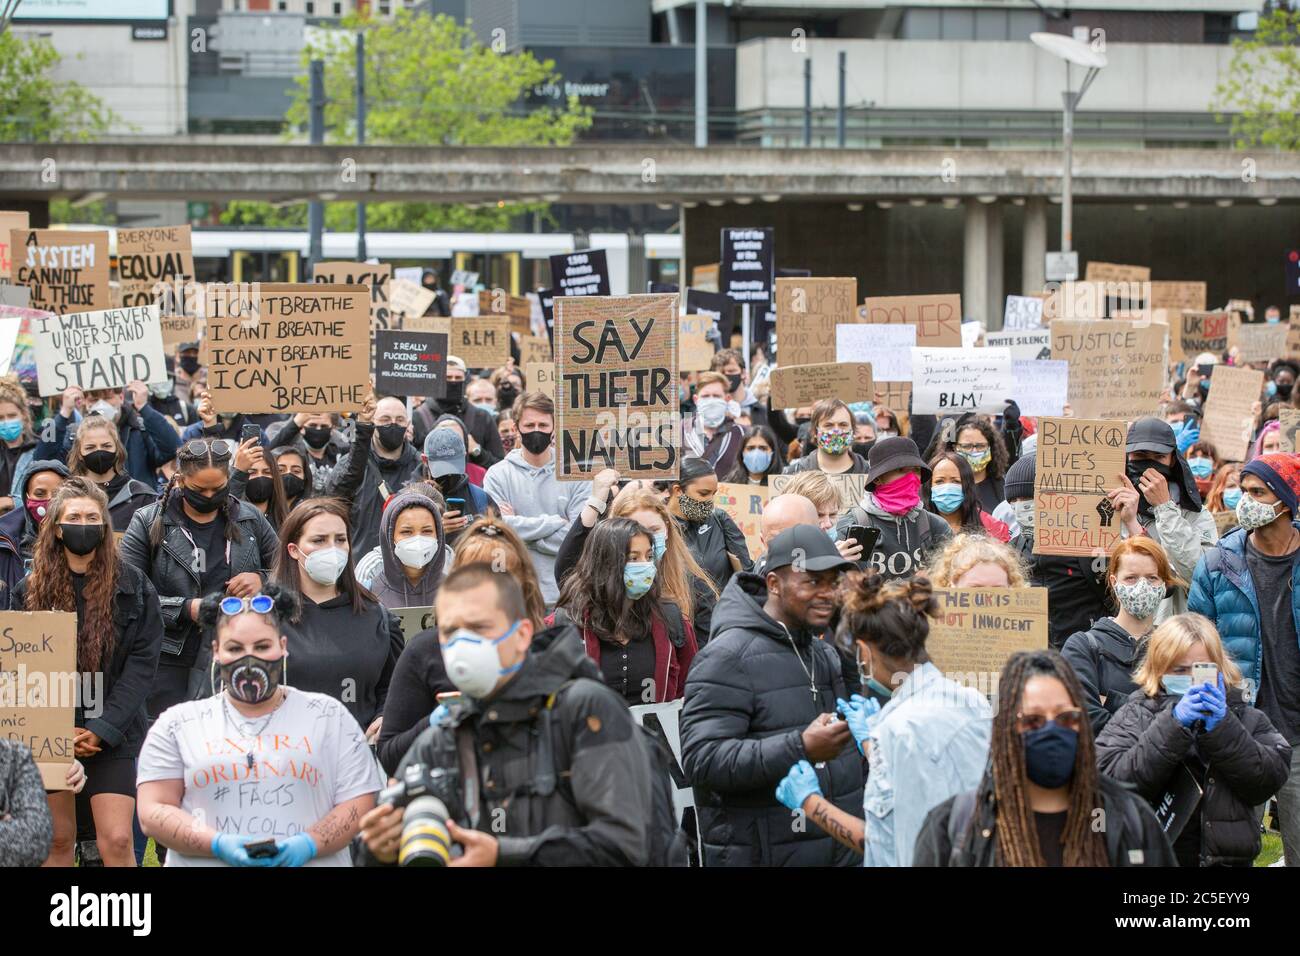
(417, 781)
(426, 795)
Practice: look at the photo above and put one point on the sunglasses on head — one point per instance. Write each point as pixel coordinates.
(258, 604)
(202, 447)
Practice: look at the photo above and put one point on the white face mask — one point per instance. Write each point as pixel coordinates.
(1024, 512)
(104, 410)
(416, 552)
(325, 565)
(712, 411)
(472, 661)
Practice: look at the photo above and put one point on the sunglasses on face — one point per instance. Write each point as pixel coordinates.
(1069, 719)
(258, 604)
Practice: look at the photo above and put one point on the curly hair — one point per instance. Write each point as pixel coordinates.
(49, 588)
(892, 615)
(967, 550)
(949, 433)
(594, 594)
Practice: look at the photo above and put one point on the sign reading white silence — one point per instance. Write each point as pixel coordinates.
(962, 380)
(887, 347)
(1027, 344)
(103, 349)
(1041, 388)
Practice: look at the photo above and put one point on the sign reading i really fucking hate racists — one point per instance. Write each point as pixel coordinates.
(410, 363)
(616, 400)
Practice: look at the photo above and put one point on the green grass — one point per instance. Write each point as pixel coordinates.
(1270, 850)
(150, 854)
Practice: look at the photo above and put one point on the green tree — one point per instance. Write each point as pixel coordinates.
(1262, 88)
(36, 108)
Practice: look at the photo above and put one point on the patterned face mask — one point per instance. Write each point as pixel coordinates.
(1253, 513)
(638, 578)
(693, 509)
(834, 443)
(1141, 598)
(978, 461)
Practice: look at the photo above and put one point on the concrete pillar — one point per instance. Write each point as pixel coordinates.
(996, 302)
(975, 272)
(1033, 249)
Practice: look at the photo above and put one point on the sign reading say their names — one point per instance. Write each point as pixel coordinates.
(1078, 462)
(104, 349)
(410, 363)
(39, 685)
(1229, 419)
(937, 317)
(978, 629)
(973, 380)
(616, 399)
(65, 271)
(797, 386)
(808, 313)
(299, 347)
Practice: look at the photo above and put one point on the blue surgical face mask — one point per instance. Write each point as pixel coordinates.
(486, 407)
(1231, 496)
(1272, 319)
(660, 545)
(1176, 684)
(1270, 389)
(947, 498)
(11, 429)
(757, 460)
(1201, 467)
(833, 533)
(869, 681)
(1049, 754)
(638, 578)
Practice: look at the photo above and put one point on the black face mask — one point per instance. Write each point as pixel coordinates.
(81, 539)
(391, 437)
(189, 364)
(1284, 390)
(259, 489)
(455, 392)
(863, 448)
(733, 382)
(203, 504)
(100, 462)
(316, 436)
(506, 396)
(535, 442)
(1135, 469)
(252, 679)
(293, 486)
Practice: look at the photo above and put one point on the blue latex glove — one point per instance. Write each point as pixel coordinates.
(1189, 436)
(229, 849)
(1188, 709)
(297, 850)
(799, 784)
(439, 715)
(857, 712)
(1214, 704)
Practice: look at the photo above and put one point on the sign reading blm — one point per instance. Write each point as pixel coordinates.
(616, 394)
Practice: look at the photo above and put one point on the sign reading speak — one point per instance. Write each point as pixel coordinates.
(410, 363)
(616, 399)
(957, 380)
(978, 629)
(937, 317)
(65, 271)
(579, 273)
(1229, 419)
(1078, 461)
(98, 349)
(1117, 369)
(297, 348)
(808, 311)
(39, 686)
(746, 267)
(798, 386)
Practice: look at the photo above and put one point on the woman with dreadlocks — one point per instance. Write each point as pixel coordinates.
(930, 740)
(75, 568)
(1042, 801)
(195, 540)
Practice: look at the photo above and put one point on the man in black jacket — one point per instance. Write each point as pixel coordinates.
(529, 700)
(381, 461)
(760, 697)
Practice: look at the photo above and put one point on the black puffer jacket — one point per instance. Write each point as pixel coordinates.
(357, 478)
(599, 813)
(1076, 593)
(747, 705)
(1104, 658)
(1241, 762)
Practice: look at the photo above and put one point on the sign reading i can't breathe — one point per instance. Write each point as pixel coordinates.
(410, 363)
(104, 349)
(746, 267)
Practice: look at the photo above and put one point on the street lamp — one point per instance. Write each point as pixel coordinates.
(1081, 54)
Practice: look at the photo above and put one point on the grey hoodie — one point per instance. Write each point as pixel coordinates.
(906, 540)
(391, 586)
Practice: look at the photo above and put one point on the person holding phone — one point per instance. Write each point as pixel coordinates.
(1193, 748)
(254, 479)
(446, 464)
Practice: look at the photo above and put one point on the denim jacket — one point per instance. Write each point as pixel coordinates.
(929, 742)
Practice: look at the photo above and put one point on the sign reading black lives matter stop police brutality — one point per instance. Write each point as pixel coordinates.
(103, 349)
(746, 269)
(291, 347)
(1077, 463)
(410, 363)
(616, 403)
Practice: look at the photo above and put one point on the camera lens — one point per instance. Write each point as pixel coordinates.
(425, 841)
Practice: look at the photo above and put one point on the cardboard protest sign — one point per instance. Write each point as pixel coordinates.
(10, 222)
(1229, 420)
(937, 317)
(481, 341)
(427, 323)
(796, 386)
(705, 277)
(98, 349)
(1257, 341)
(298, 347)
(616, 399)
(374, 276)
(1112, 272)
(744, 504)
(978, 629)
(1199, 332)
(39, 685)
(896, 396)
(948, 380)
(849, 487)
(540, 377)
(1028, 344)
(17, 295)
(1078, 462)
(1117, 369)
(1040, 387)
(1293, 333)
(149, 257)
(1178, 295)
(694, 350)
(498, 302)
(745, 273)
(580, 273)
(407, 300)
(808, 311)
(887, 347)
(1022, 312)
(532, 349)
(65, 271)
(410, 363)
(1288, 422)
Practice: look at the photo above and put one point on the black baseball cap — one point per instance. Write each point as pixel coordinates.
(1150, 434)
(807, 547)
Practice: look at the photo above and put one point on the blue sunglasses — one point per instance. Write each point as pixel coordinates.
(258, 603)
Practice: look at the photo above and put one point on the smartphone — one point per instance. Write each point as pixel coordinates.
(261, 849)
(1205, 672)
(456, 504)
(447, 696)
(1205, 370)
(867, 537)
(249, 431)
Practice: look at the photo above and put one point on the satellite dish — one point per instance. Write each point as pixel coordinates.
(1069, 49)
